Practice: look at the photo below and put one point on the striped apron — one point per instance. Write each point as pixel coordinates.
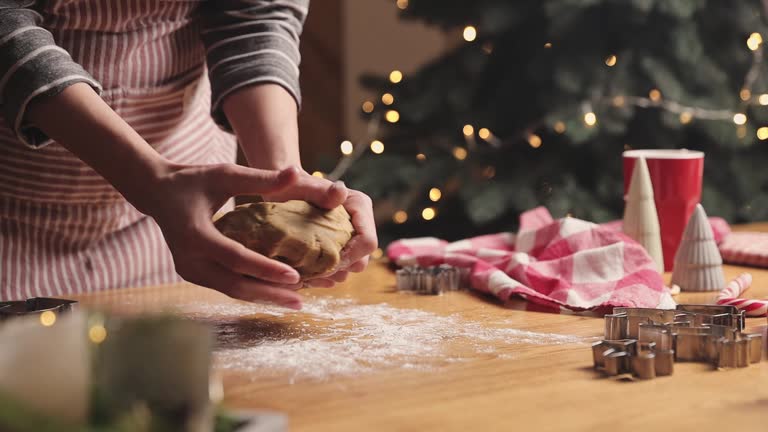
(63, 228)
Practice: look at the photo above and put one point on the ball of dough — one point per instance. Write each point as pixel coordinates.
(307, 238)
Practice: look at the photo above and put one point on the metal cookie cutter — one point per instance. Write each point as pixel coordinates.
(432, 280)
(35, 305)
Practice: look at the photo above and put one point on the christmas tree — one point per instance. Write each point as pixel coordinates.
(539, 98)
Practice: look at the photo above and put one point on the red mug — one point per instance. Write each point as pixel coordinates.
(676, 176)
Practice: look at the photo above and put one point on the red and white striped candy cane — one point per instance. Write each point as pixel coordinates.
(729, 296)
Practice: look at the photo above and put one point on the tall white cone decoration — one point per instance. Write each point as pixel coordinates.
(698, 264)
(641, 222)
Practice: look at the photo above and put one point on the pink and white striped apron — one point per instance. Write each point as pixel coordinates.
(63, 228)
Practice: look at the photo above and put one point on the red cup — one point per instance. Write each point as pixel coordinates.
(676, 176)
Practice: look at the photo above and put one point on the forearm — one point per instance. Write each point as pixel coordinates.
(264, 118)
(82, 122)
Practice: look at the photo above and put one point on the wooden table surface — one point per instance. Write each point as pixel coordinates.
(508, 386)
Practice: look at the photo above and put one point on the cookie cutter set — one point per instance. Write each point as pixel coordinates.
(646, 342)
(432, 280)
(34, 306)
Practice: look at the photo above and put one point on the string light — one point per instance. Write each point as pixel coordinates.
(377, 253)
(618, 101)
(745, 94)
(470, 33)
(421, 157)
(468, 130)
(740, 118)
(435, 194)
(392, 116)
(559, 127)
(754, 41)
(346, 147)
(763, 99)
(487, 47)
(460, 153)
(387, 99)
(400, 217)
(610, 61)
(489, 172)
(686, 117)
(654, 95)
(318, 174)
(395, 76)
(484, 133)
(428, 213)
(590, 119)
(762, 133)
(548, 45)
(367, 107)
(377, 146)
(741, 131)
(534, 140)
(402, 4)
(97, 334)
(48, 318)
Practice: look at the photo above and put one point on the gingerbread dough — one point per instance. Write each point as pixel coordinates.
(307, 238)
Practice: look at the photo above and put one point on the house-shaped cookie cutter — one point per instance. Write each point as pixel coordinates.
(432, 280)
(646, 342)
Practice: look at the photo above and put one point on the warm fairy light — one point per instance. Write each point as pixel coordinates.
(402, 4)
(400, 216)
(421, 157)
(610, 61)
(489, 172)
(487, 47)
(470, 33)
(377, 146)
(460, 153)
(754, 41)
(762, 133)
(763, 99)
(686, 117)
(654, 95)
(318, 174)
(395, 76)
(346, 147)
(484, 133)
(387, 99)
(534, 140)
(548, 45)
(392, 116)
(368, 107)
(559, 127)
(468, 130)
(739, 118)
(590, 119)
(618, 101)
(741, 131)
(48, 318)
(745, 94)
(97, 334)
(428, 213)
(377, 253)
(435, 194)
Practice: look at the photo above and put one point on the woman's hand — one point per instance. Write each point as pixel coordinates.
(182, 203)
(326, 194)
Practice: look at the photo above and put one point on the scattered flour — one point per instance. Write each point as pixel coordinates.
(334, 337)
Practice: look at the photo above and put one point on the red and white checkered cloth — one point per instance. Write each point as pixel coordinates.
(559, 264)
(745, 248)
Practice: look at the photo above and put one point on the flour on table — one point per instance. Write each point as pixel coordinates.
(337, 337)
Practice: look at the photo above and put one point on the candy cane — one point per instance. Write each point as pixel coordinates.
(751, 307)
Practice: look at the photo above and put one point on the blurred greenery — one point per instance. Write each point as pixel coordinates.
(693, 51)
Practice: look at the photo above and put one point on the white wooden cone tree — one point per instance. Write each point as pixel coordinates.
(698, 264)
(641, 222)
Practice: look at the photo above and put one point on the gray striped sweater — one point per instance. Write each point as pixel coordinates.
(246, 42)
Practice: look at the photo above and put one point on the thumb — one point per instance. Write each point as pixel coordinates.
(232, 180)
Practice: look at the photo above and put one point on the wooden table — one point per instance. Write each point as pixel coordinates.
(509, 387)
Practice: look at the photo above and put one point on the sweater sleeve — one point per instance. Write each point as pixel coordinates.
(249, 42)
(31, 66)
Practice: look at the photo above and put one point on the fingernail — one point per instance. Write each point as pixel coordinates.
(292, 304)
(340, 184)
(291, 276)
